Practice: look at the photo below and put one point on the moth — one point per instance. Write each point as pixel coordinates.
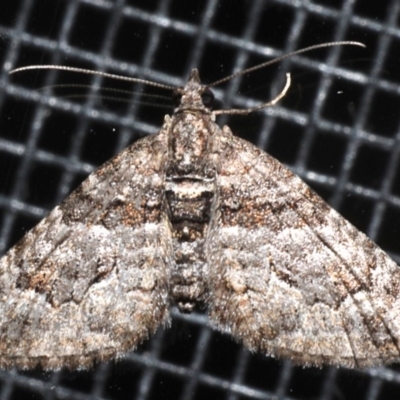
(194, 215)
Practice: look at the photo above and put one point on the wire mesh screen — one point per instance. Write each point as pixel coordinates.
(338, 129)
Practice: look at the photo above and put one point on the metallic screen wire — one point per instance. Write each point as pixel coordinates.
(339, 129)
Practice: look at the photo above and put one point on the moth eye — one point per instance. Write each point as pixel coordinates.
(176, 98)
(207, 98)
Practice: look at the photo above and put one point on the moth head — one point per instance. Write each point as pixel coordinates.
(193, 96)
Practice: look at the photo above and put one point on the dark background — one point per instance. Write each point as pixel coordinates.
(338, 128)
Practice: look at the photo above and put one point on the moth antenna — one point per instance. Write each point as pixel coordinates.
(105, 89)
(115, 100)
(92, 72)
(238, 111)
(283, 57)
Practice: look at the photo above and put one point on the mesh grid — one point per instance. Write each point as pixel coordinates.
(338, 129)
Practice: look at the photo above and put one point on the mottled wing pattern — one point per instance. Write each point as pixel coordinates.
(288, 275)
(90, 281)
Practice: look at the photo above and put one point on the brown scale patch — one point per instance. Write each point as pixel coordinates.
(249, 215)
(309, 212)
(129, 214)
(393, 289)
(372, 261)
(283, 276)
(343, 278)
(79, 205)
(40, 281)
